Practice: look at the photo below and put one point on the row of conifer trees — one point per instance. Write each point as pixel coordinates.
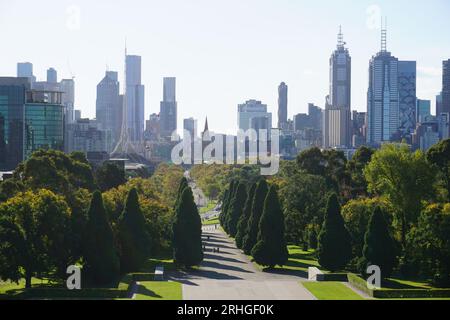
(255, 219)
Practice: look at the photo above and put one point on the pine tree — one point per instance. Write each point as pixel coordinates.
(224, 206)
(133, 235)
(236, 208)
(334, 247)
(187, 232)
(271, 249)
(379, 247)
(243, 220)
(101, 262)
(251, 234)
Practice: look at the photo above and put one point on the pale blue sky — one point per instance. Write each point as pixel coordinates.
(222, 52)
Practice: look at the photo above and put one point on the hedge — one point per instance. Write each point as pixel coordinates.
(361, 284)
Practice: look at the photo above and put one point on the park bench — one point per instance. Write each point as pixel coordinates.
(314, 274)
(159, 273)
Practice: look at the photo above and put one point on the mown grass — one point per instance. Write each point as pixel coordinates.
(331, 291)
(211, 222)
(159, 290)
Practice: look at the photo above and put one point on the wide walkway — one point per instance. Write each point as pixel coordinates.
(229, 275)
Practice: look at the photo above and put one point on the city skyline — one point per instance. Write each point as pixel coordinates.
(204, 59)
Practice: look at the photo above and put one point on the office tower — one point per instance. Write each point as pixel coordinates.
(359, 129)
(337, 131)
(426, 134)
(382, 96)
(282, 106)
(152, 128)
(52, 76)
(423, 109)
(407, 97)
(438, 104)
(168, 108)
(12, 109)
(445, 106)
(44, 122)
(444, 125)
(108, 106)
(252, 109)
(25, 70)
(190, 125)
(68, 98)
(87, 135)
(316, 116)
(135, 95)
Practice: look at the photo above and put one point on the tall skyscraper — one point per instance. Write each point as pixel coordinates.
(52, 76)
(168, 108)
(382, 96)
(407, 97)
(438, 104)
(338, 128)
(282, 106)
(108, 106)
(68, 98)
(445, 108)
(25, 70)
(135, 97)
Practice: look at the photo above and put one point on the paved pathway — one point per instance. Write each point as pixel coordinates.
(229, 275)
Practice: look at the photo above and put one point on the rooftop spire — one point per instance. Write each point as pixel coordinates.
(383, 35)
(340, 42)
(206, 125)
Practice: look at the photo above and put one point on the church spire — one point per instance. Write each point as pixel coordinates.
(206, 125)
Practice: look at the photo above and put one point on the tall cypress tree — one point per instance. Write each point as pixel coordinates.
(134, 238)
(271, 249)
(187, 232)
(224, 206)
(226, 211)
(235, 210)
(334, 247)
(379, 247)
(243, 220)
(183, 184)
(251, 234)
(101, 262)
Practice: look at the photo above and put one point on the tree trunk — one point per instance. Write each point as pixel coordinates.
(28, 280)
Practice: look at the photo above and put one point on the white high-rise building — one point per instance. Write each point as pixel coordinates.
(253, 110)
(135, 99)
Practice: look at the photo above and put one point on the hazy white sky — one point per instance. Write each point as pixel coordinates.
(223, 52)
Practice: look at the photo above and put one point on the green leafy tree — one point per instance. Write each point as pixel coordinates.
(429, 244)
(439, 156)
(135, 242)
(110, 175)
(356, 167)
(270, 249)
(236, 209)
(243, 220)
(379, 247)
(356, 214)
(405, 179)
(100, 258)
(33, 230)
(251, 235)
(334, 249)
(187, 232)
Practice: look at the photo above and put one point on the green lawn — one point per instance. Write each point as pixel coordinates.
(7, 287)
(211, 222)
(151, 264)
(210, 207)
(299, 260)
(155, 290)
(331, 291)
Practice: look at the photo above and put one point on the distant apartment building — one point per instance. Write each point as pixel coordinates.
(87, 135)
(168, 108)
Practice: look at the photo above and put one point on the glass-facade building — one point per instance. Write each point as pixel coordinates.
(44, 127)
(29, 120)
(12, 104)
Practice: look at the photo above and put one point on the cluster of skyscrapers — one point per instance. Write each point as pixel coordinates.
(41, 114)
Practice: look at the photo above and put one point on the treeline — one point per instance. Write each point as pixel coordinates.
(53, 214)
(389, 207)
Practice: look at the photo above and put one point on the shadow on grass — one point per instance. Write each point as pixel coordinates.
(142, 290)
